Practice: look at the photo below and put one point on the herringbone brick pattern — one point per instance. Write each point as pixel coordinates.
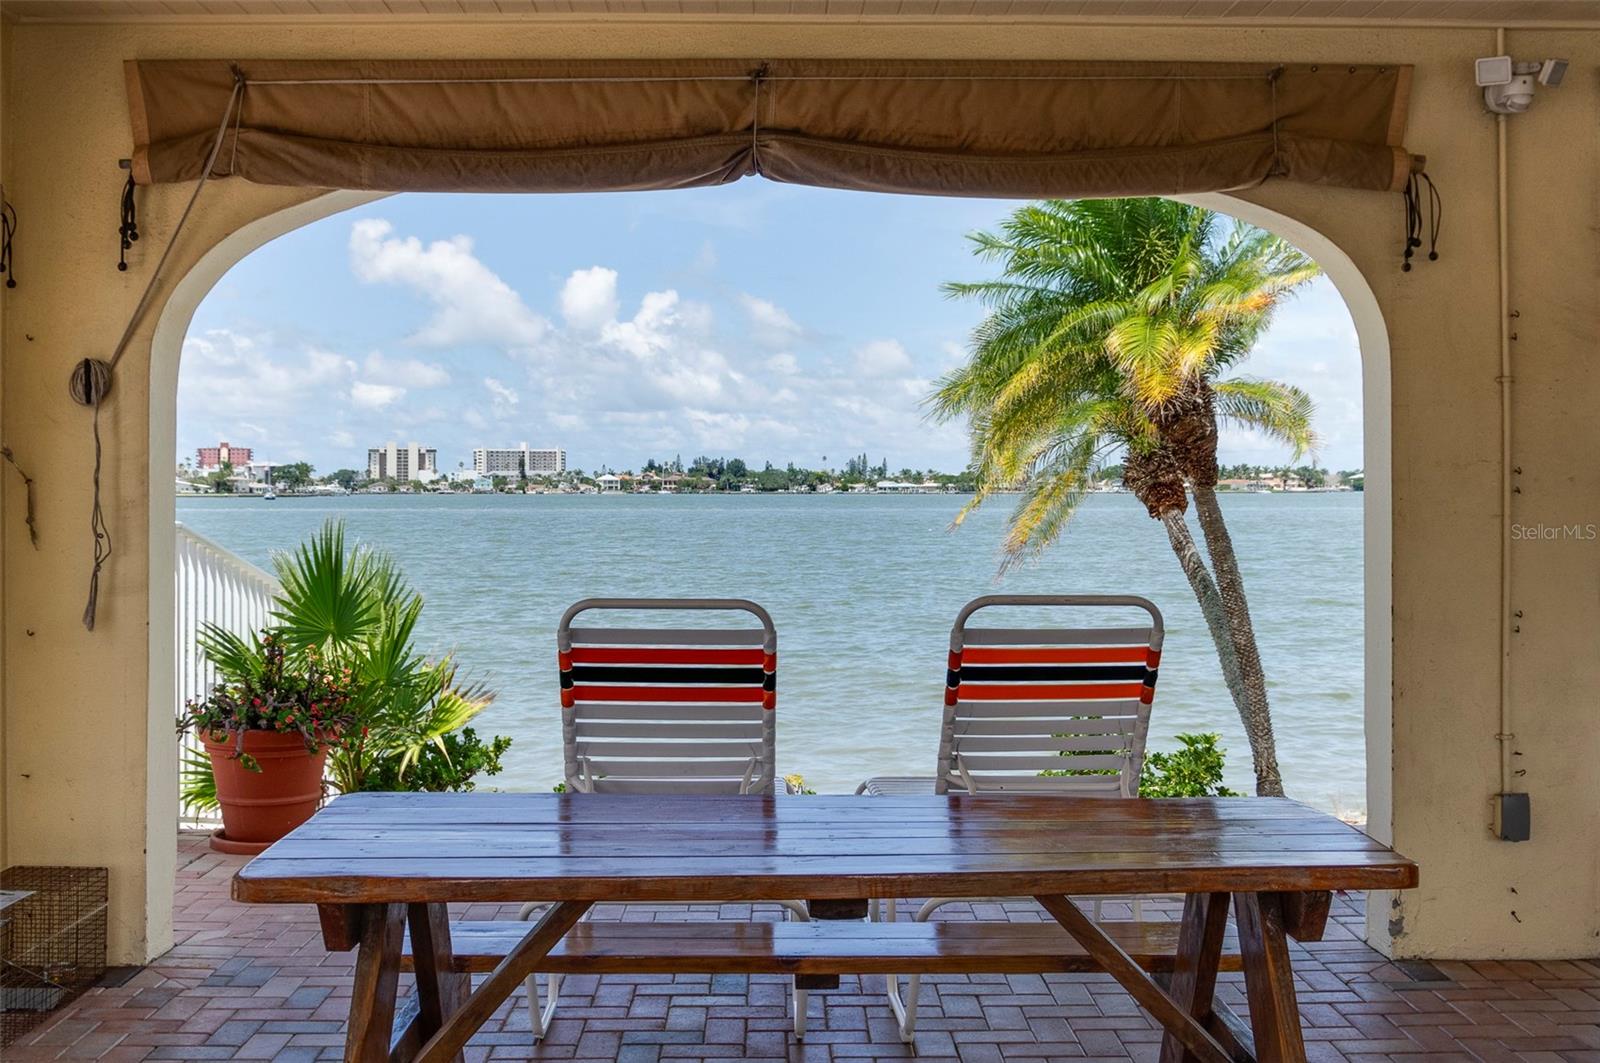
(255, 983)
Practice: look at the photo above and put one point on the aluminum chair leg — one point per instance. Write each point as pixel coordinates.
(798, 911)
(905, 1012)
(539, 1016)
(905, 1008)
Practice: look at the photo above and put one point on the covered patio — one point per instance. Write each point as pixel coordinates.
(1482, 580)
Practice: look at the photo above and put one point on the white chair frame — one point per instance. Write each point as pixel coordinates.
(677, 765)
(956, 772)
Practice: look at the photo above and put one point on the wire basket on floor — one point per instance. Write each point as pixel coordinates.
(52, 941)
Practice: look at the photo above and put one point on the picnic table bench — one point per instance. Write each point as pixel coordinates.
(382, 869)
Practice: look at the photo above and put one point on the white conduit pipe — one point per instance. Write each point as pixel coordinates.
(1505, 736)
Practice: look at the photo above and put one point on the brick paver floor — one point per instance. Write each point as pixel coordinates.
(253, 982)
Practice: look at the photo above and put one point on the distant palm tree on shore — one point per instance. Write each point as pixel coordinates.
(1107, 335)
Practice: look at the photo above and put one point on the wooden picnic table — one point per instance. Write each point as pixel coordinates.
(376, 864)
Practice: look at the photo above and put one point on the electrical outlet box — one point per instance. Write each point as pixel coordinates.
(1513, 819)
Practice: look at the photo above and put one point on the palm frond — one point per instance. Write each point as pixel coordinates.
(236, 658)
(197, 784)
(327, 600)
(1056, 485)
(1280, 411)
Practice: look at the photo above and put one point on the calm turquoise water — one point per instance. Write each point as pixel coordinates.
(863, 590)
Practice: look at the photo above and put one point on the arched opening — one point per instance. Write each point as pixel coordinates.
(1362, 304)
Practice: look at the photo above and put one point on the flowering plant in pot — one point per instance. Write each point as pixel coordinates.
(267, 726)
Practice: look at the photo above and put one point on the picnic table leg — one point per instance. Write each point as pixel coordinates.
(440, 991)
(377, 976)
(1111, 957)
(452, 1036)
(1194, 975)
(1268, 979)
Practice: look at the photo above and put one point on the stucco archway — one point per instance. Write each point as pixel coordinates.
(166, 350)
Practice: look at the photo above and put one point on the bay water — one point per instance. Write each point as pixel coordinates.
(863, 590)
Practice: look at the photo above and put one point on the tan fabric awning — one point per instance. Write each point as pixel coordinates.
(952, 128)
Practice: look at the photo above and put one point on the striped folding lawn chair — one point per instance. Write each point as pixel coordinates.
(1038, 710)
(666, 710)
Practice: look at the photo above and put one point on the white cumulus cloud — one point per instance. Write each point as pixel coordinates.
(375, 396)
(406, 372)
(882, 358)
(503, 399)
(770, 324)
(471, 303)
(589, 298)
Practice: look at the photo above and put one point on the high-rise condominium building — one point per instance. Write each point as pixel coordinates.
(223, 453)
(519, 461)
(403, 464)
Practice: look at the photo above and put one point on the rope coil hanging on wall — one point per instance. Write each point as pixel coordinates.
(91, 380)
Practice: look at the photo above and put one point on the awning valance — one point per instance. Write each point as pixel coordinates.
(939, 127)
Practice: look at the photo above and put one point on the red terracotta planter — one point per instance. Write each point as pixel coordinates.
(259, 807)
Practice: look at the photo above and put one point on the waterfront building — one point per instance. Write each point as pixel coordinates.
(519, 461)
(211, 458)
(404, 464)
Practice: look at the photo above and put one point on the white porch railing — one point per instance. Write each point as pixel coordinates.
(213, 585)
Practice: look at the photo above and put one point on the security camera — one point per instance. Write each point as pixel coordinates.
(1508, 85)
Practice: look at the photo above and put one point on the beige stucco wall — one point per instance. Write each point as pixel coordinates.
(81, 734)
(5, 69)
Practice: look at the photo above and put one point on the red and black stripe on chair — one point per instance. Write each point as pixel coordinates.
(687, 709)
(1049, 706)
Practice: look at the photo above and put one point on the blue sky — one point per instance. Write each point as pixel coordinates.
(765, 321)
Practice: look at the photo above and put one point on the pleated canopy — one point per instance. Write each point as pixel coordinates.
(1063, 129)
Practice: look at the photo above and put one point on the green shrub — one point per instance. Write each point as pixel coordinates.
(439, 770)
(1195, 770)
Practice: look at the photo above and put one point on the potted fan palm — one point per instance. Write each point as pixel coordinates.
(354, 609)
(344, 626)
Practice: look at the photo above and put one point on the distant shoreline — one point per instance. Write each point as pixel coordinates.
(692, 494)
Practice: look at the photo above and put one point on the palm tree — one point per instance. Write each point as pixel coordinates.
(355, 609)
(1109, 333)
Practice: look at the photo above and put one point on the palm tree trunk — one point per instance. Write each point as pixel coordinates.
(1254, 711)
(1205, 592)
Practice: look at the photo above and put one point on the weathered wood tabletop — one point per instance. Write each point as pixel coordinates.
(414, 848)
(373, 862)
